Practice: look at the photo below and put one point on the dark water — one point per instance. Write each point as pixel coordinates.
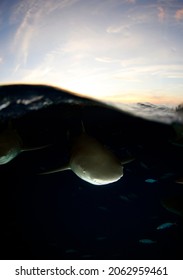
(60, 216)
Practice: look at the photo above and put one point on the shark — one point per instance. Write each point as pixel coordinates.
(11, 145)
(93, 162)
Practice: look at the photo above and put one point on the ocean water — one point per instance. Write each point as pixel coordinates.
(60, 216)
(160, 113)
(19, 99)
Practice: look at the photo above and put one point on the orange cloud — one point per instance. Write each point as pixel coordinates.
(161, 13)
(179, 14)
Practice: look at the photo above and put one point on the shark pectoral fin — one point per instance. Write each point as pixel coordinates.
(83, 127)
(63, 168)
(179, 180)
(127, 160)
(27, 149)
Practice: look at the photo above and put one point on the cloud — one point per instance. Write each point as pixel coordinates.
(161, 68)
(179, 14)
(23, 37)
(126, 77)
(137, 73)
(161, 13)
(123, 62)
(118, 29)
(25, 30)
(38, 75)
(1, 60)
(17, 67)
(114, 29)
(106, 59)
(130, 1)
(45, 68)
(30, 15)
(136, 16)
(39, 7)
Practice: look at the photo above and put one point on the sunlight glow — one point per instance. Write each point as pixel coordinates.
(126, 51)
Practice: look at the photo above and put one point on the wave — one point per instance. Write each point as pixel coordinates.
(154, 112)
(16, 100)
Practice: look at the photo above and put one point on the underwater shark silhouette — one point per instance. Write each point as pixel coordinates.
(11, 145)
(93, 162)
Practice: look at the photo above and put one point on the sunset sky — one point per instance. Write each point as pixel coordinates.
(122, 50)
